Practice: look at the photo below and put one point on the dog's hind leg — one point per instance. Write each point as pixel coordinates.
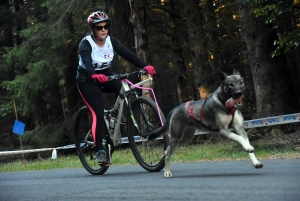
(180, 136)
(168, 153)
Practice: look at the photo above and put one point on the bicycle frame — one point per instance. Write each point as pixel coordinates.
(144, 115)
(123, 97)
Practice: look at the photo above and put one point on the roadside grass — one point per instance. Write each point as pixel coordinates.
(225, 150)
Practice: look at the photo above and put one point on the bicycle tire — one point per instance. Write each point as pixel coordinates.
(149, 154)
(86, 152)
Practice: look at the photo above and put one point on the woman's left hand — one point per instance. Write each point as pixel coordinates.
(150, 70)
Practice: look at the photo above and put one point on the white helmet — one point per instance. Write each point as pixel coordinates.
(97, 17)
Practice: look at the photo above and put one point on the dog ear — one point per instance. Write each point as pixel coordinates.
(222, 75)
(235, 72)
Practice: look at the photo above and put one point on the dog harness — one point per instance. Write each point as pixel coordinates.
(190, 110)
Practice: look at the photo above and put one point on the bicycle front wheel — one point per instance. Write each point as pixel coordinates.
(145, 117)
(84, 142)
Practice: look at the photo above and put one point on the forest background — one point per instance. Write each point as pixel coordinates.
(188, 42)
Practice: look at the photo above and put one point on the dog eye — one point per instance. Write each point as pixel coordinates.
(231, 84)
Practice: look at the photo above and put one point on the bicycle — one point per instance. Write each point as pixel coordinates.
(143, 115)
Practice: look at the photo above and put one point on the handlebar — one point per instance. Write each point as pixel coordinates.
(125, 75)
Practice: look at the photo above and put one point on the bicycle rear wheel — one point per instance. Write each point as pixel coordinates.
(147, 153)
(84, 142)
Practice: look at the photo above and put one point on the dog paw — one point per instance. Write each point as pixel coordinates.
(167, 174)
(258, 165)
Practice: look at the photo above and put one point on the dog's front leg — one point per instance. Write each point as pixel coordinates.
(230, 135)
(243, 134)
(243, 139)
(255, 162)
(239, 128)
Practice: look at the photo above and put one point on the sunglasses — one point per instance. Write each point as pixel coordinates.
(99, 28)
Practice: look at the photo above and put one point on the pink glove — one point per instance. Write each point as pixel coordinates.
(100, 77)
(150, 70)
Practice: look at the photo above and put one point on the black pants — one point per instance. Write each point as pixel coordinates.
(92, 94)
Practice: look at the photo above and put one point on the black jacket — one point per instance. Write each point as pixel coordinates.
(85, 50)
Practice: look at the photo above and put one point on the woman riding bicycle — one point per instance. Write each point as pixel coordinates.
(96, 52)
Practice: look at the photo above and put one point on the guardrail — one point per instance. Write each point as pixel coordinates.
(269, 121)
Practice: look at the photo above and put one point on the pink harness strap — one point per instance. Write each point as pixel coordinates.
(190, 110)
(232, 111)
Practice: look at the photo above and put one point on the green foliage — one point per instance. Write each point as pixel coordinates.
(31, 86)
(39, 64)
(34, 32)
(51, 135)
(289, 42)
(273, 13)
(43, 163)
(17, 57)
(6, 108)
(34, 68)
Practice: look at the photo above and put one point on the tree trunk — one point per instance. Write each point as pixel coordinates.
(213, 33)
(288, 21)
(177, 55)
(196, 37)
(140, 37)
(119, 13)
(7, 40)
(272, 81)
(69, 87)
(20, 23)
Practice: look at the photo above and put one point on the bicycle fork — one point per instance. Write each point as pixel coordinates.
(132, 117)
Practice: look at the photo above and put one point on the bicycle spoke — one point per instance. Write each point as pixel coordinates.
(148, 153)
(84, 143)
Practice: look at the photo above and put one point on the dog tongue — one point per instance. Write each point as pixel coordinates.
(230, 103)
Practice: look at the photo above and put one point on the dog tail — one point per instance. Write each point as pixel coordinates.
(159, 131)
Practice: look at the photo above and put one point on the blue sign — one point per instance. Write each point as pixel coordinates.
(19, 128)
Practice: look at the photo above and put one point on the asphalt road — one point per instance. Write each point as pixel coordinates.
(279, 180)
